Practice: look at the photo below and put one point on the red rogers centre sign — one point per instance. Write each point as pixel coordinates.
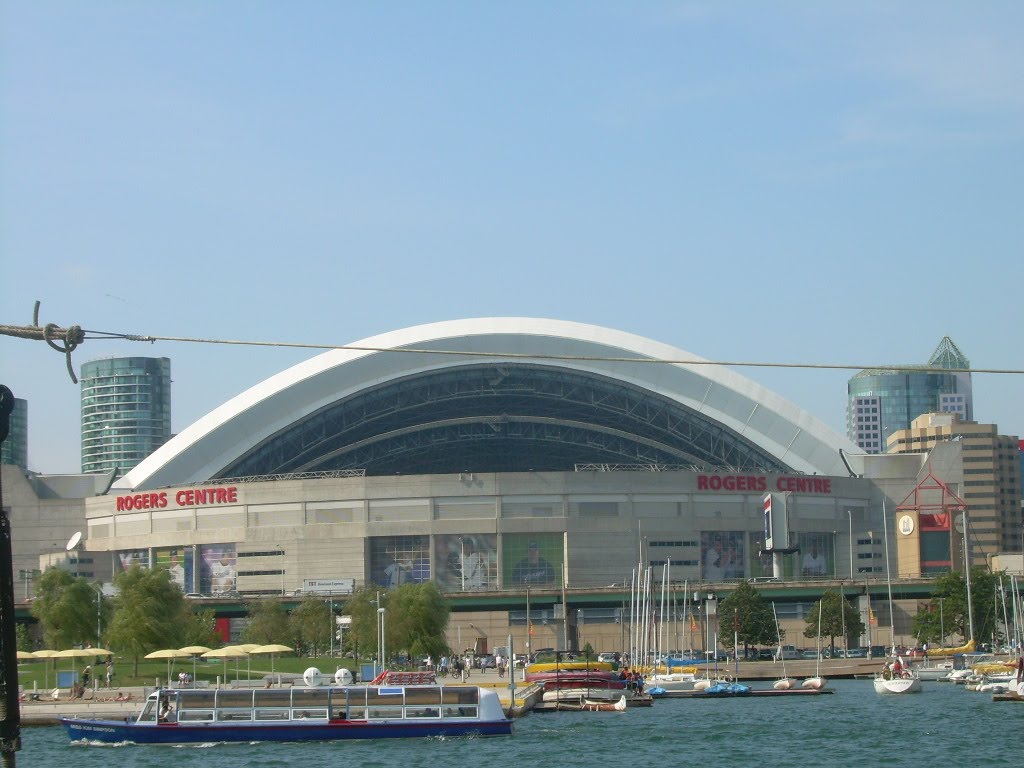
(187, 497)
(759, 483)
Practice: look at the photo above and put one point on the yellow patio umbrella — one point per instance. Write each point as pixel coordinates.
(45, 655)
(194, 651)
(27, 656)
(247, 647)
(169, 654)
(273, 649)
(225, 653)
(74, 653)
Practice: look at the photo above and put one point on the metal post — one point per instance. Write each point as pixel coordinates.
(281, 550)
(967, 571)
(849, 514)
(380, 613)
(462, 562)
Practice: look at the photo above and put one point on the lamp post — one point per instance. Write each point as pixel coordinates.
(380, 617)
(99, 597)
(462, 562)
(942, 627)
(281, 550)
(849, 514)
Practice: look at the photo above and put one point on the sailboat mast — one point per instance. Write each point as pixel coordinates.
(888, 578)
(967, 572)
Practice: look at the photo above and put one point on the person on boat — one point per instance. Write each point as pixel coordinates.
(166, 713)
(897, 667)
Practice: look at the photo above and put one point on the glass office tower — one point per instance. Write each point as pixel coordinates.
(126, 411)
(881, 401)
(14, 450)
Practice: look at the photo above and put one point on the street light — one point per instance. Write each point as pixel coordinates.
(849, 514)
(380, 616)
(281, 550)
(462, 562)
(99, 596)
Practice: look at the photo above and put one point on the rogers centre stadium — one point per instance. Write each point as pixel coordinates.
(492, 456)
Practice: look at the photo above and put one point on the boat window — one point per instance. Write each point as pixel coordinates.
(234, 714)
(459, 711)
(309, 714)
(356, 713)
(422, 711)
(148, 712)
(426, 696)
(460, 695)
(304, 699)
(390, 697)
(271, 714)
(384, 713)
(236, 699)
(273, 698)
(196, 699)
(195, 715)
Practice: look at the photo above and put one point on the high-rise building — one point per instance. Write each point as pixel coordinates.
(991, 485)
(14, 450)
(881, 401)
(126, 411)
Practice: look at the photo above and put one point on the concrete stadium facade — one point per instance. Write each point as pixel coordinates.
(490, 456)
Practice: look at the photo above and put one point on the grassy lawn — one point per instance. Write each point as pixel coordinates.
(41, 674)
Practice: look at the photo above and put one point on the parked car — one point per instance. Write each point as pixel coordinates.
(787, 653)
(609, 657)
(857, 653)
(766, 654)
(809, 653)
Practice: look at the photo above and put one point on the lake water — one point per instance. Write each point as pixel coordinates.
(944, 725)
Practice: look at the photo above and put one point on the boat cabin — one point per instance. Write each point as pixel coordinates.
(350, 703)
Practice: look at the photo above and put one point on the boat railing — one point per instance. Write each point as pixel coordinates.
(347, 703)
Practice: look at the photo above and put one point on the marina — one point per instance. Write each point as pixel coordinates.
(853, 726)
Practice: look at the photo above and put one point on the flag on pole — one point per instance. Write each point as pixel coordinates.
(693, 623)
(872, 619)
(531, 628)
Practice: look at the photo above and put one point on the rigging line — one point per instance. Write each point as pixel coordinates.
(538, 356)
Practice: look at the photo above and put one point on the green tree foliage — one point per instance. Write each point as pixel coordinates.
(415, 620)
(66, 610)
(837, 614)
(200, 627)
(311, 625)
(23, 638)
(946, 614)
(149, 613)
(745, 614)
(268, 623)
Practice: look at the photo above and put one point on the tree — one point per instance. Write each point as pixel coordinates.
(66, 609)
(149, 613)
(311, 625)
(837, 616)
(745, 615)
(415, 619)
(268, 623)
(946, 613)
(200, 627)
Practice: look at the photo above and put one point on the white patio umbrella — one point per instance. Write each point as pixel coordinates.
(194, 651)
(225, 653)
(169, 654)
(273, 649)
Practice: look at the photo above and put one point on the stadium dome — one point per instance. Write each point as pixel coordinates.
(496, 395)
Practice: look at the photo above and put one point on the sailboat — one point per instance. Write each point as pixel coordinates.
(817, 682)
(785, 682)
(898, 678)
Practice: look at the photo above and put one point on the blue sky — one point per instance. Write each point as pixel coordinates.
(783, 182)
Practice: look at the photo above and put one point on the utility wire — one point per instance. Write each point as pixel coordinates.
(66, 340)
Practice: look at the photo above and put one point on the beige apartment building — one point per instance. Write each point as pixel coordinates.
(989, 483)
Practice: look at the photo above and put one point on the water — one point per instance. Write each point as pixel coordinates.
(944, 725)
